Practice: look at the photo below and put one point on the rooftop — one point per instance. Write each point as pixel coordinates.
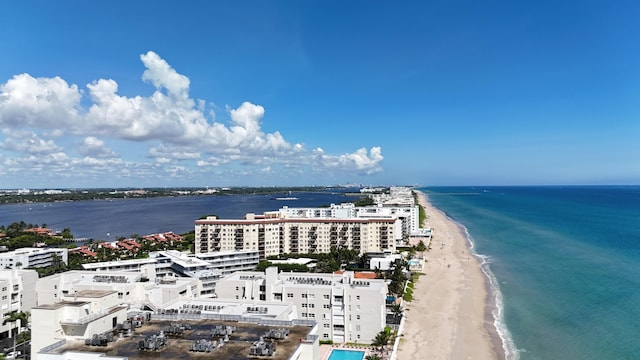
(178, 347)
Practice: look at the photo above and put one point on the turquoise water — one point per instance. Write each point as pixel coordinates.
(346, 355)
(566, 261)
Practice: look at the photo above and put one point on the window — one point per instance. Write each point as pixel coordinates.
(326, 326)
(312, 305)
(304, 314)
(357, 317)
(304, 296)
(289, 295)
(304, 305)
(357, 307)
(358, 328)
(357, 297)
(326, 306)
(312, 315)
(325, 296)
(326, 336)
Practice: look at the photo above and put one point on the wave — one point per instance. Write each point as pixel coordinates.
(511, 352)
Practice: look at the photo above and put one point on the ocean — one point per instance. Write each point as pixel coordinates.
(108, 219)
(566, 261)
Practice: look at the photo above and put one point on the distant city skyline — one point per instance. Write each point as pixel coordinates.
(281, 93)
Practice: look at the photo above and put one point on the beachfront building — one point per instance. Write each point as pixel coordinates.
(347, 309)
(397, 196)
(75, 317)
(383, 262)
(274, 233)
(33, 258)
(408, 215)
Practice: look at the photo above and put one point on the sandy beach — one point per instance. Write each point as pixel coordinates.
(449, 317)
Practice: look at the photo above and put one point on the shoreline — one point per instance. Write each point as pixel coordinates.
(454, 311)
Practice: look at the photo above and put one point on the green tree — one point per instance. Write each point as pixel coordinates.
(421, 246)
(397, 310)
(16, 316)
(66, 233)
(382, 338)
(263, 265)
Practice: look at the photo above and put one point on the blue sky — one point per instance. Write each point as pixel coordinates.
(235, 93)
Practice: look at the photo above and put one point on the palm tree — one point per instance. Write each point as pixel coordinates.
(373, 357)
(396, 310)
(382, 338)
(12, 318)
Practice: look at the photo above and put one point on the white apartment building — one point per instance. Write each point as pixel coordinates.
(347, 309)
(33, 257)
(397, 196)
(76, 317)
(408, 215)
(17, 293)
(273, 234)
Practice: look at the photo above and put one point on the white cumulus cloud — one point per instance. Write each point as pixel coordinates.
(47, 124)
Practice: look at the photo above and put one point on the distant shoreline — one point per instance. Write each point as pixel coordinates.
(63, 195)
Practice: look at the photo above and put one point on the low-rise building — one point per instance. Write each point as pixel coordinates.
(76, 317)
(137, 289)
(207, 268)
(33, 258)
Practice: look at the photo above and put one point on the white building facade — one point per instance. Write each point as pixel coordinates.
(33, 257)
(408, 215)
(78, 317)
(274, 234)
(17, 294)
(346, 309)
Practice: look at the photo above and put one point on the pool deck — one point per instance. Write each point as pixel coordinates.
(325, 350)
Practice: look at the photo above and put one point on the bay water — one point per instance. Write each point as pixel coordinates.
(566, 261)
(108, 219)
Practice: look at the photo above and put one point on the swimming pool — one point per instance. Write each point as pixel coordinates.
(346, 355)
